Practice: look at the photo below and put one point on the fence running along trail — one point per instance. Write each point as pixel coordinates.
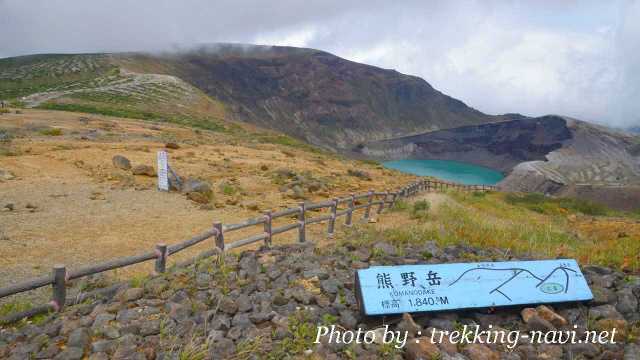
(346, 206)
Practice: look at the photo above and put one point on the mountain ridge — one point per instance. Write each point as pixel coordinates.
(327, 101)
(306, 93)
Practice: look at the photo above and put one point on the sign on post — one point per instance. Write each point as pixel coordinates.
(163, 171)
(384, 290)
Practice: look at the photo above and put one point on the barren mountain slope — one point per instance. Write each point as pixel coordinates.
(548, 154)
(309, 94)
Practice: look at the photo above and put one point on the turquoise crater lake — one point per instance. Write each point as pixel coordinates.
(463, 173)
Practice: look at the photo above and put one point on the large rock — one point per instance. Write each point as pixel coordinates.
(546, 313)
(121, 162)
(70, 353)
(197, 186)
(480, 352)
(6, 175)
(78, 338)
(422, 349)
(627, 301)
(198, 198)
(408, 326)
(605, 312)
(144, 170)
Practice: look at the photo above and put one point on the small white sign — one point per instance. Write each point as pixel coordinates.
(163, 171)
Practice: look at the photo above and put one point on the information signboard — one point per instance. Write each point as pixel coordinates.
(417, 288)
(163, 171)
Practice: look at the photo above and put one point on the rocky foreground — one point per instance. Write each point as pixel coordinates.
(268, 304)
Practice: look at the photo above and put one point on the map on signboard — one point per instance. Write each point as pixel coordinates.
(416, 288)
(163, 171)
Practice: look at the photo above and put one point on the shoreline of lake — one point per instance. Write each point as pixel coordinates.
(449, 170)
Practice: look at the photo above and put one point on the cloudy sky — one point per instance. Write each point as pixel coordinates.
(576, 58)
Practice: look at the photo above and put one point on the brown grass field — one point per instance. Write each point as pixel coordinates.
(72, 206)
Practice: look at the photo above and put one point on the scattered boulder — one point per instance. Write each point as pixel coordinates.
(144, 170)
(121, 162)
(172, 145)
(198, 191)
(198, 198)
(361, 174)
(609, 324)
(546, 313)
(70, 353)
(627, 301)
(422, 349)
(384, 248)
(96, 195)
(78, 338)
(297, 193)
(198, 186)
(407, 325)
(535, 321)
(480, 352)
(251, 205)
(6, 175)
(132, 294)
(271, 294)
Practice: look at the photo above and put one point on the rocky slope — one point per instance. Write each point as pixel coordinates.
(309, 94)
(267, 304)
(595, 158)
(500, 145)
(548, 154)
(319, 97)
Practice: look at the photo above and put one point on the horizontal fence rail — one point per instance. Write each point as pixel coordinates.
(371, 201)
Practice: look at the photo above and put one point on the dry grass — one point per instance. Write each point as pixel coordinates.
(87, 211)
(490, 221)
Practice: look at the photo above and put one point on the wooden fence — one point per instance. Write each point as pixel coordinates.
(370, 201)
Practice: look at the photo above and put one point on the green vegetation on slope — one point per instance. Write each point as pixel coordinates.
(547, 205)
(206, 124)
(552, 228)
(27, 75)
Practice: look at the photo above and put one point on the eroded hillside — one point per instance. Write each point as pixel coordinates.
(549, 154)
(309, 94)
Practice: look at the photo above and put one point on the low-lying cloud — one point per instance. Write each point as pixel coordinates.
(580, 59)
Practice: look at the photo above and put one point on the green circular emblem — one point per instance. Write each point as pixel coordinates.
(551, 288)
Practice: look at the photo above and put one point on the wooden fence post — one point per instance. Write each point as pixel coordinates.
(161, 259)
(219, 237)
(301, 221)
(367, 211)
(384, 199)
(59, 287)
(332, 221)
(352, 201)
(267, 228)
